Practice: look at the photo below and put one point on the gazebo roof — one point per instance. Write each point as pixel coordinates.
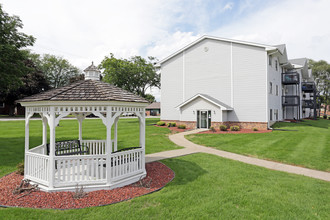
(86, 90)
(92, 68)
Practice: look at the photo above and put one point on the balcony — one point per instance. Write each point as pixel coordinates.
(308, 87)
(290, 78)
(290, 100)
(308, 104)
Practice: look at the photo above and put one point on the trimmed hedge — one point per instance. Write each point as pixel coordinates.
(182, 126)
(254, 129)
(171, 124)
(235, 128)
(161, 123)
(223, 128)
(212, 129)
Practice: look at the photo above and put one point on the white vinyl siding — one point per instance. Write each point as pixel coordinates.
(172, 87)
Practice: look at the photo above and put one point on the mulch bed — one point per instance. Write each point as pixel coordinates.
(158, 175)
(242, 131)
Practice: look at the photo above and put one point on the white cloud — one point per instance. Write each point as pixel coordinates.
(228, 6)
(301, 24)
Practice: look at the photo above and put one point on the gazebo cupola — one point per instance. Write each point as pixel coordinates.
(93, 164)
(92, 72)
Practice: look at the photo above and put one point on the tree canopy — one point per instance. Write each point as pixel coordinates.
(57, 70)
(12, 58)
(321, 74)
(135, 74)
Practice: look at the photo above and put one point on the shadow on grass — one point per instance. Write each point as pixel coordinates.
(188, 172)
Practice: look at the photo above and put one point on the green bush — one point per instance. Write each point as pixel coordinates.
(161, 123)
(254, 129)
(171, 124)
(235, 128)
(20, 168)
(223, 128)
(182, 126)
(325, 116)
(212, 129)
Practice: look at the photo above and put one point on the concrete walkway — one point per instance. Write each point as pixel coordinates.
(191, 148)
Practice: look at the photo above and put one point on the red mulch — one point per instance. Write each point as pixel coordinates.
(156, 171)
(242, 131)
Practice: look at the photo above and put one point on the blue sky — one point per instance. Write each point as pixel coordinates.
(83, 31)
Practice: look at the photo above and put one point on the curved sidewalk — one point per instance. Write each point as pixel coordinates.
(190, 148)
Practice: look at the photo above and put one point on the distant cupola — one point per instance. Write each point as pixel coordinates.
(92, 72)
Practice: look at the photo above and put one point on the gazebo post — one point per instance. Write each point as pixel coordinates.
(143, 135)
(28, 115)
(115, 134)
(108, 144)
(80, 117)
(52, 148)
(44, 130)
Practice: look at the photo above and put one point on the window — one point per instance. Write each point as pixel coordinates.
(271, 114)
(270, 88)
(2, 104)
(276, 65)
(277, 90)
(276, 114)
(270, 60)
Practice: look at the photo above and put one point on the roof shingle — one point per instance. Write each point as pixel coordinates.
(86, 90)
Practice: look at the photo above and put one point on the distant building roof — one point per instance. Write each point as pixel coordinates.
(86, 90)
(299, 61)
(154, 105)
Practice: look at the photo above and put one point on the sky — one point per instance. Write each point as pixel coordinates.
(84, 31)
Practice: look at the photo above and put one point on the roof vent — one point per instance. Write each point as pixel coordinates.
(92, 72)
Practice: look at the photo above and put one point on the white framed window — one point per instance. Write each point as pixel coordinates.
(276, 92)
(276, 114)
(271, 114)
(270, 60)
(270, 88)
(276, 65)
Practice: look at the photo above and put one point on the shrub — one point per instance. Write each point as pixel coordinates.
(212, 129)
(223, 128)
(161, 123)
(254, 129)
(171, 124)
(235, 128)
(182, 126)
(20, 168)
(325, 116)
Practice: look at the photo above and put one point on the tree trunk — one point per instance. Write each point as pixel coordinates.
(11, 110)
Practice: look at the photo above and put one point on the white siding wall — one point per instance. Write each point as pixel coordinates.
(235, 74)
(249, 84)
(189, 111)
(208, 68)
(275, 101)
(172, 87)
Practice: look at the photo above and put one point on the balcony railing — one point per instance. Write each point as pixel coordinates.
(308, 87)
(308, 104)
(290, 100)
(290, 78)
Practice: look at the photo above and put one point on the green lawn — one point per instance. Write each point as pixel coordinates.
(12, 137)
(211, 187)
(309, 146)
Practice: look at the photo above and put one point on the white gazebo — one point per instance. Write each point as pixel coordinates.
(93, 164)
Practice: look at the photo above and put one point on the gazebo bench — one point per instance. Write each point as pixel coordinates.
(66, 148)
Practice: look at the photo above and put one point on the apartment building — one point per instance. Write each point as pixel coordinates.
(215, 81)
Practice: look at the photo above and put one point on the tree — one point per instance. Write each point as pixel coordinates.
(32, 83)
(150, 98)
(135, 74)
(321, 74)
(58, 71)
(12, 58)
